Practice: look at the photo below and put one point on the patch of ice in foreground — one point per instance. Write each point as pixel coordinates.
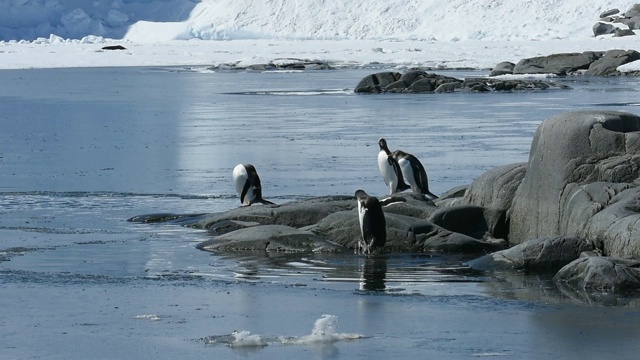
(325, 331)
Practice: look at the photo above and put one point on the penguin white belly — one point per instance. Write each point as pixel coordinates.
(409, 176)
(240, 178)
(387, 172)
(361, 211)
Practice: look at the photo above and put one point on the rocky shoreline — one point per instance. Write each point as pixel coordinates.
(572, 210)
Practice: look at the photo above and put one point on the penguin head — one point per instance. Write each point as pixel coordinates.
(383, 145)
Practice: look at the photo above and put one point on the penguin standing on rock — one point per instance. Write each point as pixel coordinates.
(390, 169)
(372, 224)
(247, 184)
(414, 172)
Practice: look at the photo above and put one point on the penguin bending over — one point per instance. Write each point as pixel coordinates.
(390, 169)
(414, 172)
(247, 184)
(372, 224)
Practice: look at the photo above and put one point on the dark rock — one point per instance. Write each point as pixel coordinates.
(602, 273)
(167, 217)
(269, 238)
(474, 221)
(376, 82)
(540, 255)
(609, 13)
(412, 76)
(608, 64)
(557, 64)
(572, 149)
(601, 28)
(114, 47)
(295, 214)
(503, 68)
(447, 87)
(404, 234)
(423, 85)
(623, 32)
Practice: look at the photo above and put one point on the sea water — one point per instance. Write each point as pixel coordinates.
(82, 150)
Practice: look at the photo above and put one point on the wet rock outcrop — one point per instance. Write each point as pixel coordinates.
(418, 81)
(593, 63)
(574, 206)
(580, 183)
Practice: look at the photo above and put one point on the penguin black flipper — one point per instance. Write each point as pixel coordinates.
(402, 186)
(245, 189)
(421, 177)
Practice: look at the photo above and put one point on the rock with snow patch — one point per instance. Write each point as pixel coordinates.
(608, 64)
(503, 68)
(601, 28)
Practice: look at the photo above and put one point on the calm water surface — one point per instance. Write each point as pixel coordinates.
(82, 150)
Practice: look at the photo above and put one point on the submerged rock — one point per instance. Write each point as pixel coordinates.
(269, 238)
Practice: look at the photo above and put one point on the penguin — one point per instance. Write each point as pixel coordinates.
(414, 173)
(372, 224)
(247, 183)
(390, 169)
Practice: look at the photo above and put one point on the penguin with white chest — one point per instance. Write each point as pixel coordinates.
(373, 227)
(390, 169)
(247, 184)
(414, 173)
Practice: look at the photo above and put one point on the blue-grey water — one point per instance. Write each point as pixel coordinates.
(82, 150)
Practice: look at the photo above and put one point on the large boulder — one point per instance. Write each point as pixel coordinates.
(404, 234)
(496, 188)
(558, 64)
(475, 221)
(608, 64)
(375, 83)
(295, 214)
(569, 150)
(601, 28)
(539, 255)
(503, 68)
(601, 273)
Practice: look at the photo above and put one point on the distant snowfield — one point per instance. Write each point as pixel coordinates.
(403, 33)
(354, 53)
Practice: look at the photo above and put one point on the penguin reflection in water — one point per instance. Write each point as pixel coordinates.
(247, 184)
(372, 224)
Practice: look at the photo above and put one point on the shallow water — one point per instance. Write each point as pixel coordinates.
(85, 149)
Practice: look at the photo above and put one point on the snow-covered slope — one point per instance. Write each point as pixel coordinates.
(440, 20)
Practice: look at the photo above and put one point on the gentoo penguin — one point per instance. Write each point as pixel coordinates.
(372, 224)
(247, 183)
(414, 172)
(390, 169)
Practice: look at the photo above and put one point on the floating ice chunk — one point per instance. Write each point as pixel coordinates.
(245, 339)
(325, 330)
(152, 317)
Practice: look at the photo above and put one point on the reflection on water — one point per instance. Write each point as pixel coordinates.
(373, 274)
